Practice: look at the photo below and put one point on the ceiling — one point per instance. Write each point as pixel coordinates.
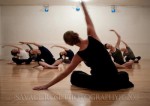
(70, 2)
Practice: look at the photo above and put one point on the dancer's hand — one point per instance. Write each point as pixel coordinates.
(52, 46)
(44, 87)
(22, 42)
(112, 30)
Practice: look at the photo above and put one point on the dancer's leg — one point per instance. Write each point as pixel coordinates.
(45, 65)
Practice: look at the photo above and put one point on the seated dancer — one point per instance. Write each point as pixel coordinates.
(44, 56)
(104, 74)
(116, 54)
(20, 56)
(66, 55)
(128, 54)
(33, 56)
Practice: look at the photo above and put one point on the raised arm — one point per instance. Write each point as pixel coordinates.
(118, 40)
(31, 48)
(75, 61)
(125, 43)
(38, 45)
(90, 26)
(11, 46)
(60, 47)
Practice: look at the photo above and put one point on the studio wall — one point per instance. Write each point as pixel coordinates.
(31, 23)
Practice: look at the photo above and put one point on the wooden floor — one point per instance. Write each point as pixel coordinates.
(16, 83)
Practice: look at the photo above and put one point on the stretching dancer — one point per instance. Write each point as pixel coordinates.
(128, 53)
(104, 74)
(44, 56)
(116, 53)
(20, 56)
(33, 56)
(66, 55)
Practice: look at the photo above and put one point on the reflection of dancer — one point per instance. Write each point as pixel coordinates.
(66, 55)
(104, 75)
(115, 52)
(20, 56)
(128, 53)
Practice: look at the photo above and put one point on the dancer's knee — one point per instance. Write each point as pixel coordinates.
(76, 77)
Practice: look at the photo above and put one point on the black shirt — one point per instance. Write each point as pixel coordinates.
(118, 57)
(129, 54)
(98, 59)
(46, 55)
(69, 54)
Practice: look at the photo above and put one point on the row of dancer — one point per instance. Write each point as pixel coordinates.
(122, 57)
(42, 55)
(45, 58)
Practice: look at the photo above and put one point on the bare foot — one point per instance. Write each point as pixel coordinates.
(35, 66)
(136, 61)
(128, 65)
(51, 67)
(10, 63)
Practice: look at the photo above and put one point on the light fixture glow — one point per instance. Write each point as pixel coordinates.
(46, 8)
(113, 9)
(77, 8)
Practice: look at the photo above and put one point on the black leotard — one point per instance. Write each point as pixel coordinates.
(104, 74)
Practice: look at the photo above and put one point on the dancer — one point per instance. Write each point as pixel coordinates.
(20, 56)
(33, 56)
(44, 56)
(104, 75)
(66, 55)
(116, 53)
(128, 53)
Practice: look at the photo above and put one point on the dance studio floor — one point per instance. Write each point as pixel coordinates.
(16, 83)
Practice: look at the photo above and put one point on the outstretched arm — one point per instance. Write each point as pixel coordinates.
(75, 61)
(31, 48)
(11, 46)
(60, 47)
(118, 40)
(90, 26)
(38, 45)
(125, 43)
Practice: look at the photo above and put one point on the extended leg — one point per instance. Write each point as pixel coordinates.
(45, 65)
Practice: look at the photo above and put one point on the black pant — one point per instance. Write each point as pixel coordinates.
(82, 79)
(127, 58)
(20, 61)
